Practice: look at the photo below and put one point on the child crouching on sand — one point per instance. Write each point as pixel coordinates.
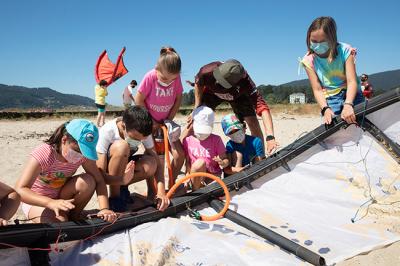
(9, 203)
(117, 148)
(205, 152)
(49, 190)
(242, 149)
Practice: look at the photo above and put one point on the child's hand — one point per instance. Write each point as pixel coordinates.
(129, 173)
(220, 161)
(189, 120)
(348, 114)
(107, 215)
(3, 222)
(162, 201)
(61, 205)
(328, 116)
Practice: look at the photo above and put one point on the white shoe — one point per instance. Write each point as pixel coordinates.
(174, 130)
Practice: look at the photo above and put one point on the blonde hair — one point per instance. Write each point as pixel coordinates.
(328, 25)
(169, 61)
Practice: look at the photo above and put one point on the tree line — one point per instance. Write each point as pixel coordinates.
(275, 94)
(272, 94)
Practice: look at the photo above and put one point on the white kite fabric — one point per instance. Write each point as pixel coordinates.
(348, 177)
(340, 198)
(388, 121)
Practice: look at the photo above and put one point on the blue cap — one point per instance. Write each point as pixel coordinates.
(86, 134)
(229, 123)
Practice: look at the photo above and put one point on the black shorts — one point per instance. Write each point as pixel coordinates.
(100, 106)
(242, 106)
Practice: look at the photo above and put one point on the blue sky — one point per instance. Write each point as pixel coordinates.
(50, 43)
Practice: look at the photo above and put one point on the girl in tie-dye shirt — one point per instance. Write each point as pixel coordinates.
(330, 67)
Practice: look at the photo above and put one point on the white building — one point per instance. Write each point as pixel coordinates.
(297, 98)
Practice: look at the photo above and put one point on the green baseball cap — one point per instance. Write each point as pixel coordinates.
(229, 73)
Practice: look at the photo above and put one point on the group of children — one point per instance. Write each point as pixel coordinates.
(50, 191)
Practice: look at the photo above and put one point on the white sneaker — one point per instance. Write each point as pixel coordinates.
(174, 130)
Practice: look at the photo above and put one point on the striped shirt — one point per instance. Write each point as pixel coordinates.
(54, 173)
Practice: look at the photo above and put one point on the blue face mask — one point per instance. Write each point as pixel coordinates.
(319, 48)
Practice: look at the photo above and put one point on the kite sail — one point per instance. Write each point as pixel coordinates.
(107, 70)
(330, 195)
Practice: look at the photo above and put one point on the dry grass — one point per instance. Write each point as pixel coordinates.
(295, 109)
(291, 109)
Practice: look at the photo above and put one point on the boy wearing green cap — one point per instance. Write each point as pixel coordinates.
(242, 149)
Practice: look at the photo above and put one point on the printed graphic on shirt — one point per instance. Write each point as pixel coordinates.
(53, 180)
(200, 152)
(161, 92)
(161, 109)
(224, 96)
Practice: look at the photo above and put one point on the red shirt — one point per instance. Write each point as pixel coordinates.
(206, 81)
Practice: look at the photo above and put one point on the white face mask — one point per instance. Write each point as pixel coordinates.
(72, 156)
(238, 136)
(164, 84)
(201, 136)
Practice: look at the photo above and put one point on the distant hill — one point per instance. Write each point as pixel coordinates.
(382, 81)
(39, 98)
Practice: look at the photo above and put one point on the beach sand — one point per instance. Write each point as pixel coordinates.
(19, 138)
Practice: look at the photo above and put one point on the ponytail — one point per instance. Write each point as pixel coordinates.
(55, 138)
(169, 61)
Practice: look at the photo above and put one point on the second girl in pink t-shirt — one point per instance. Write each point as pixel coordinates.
(161, 92)
(205, 151)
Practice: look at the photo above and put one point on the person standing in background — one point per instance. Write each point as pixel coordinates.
(366, 87)
(101, 92)
(127, 96)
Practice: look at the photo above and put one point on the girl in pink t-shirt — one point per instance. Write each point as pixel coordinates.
(205, 152)
(160, 92)
(49, 190)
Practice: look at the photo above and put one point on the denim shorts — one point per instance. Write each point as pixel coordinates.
(336, 102)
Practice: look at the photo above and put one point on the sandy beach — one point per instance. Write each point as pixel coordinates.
(18, 138)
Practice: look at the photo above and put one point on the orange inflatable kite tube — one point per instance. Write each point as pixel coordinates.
(107, 70)
(213, 177)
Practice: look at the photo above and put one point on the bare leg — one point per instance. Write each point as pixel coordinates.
(98, 121)
(179, 158)
(119, 154)
(145, 169)
(43, 215)
(9, 201)
(103, 118)
(80, 188)
(198, 166)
